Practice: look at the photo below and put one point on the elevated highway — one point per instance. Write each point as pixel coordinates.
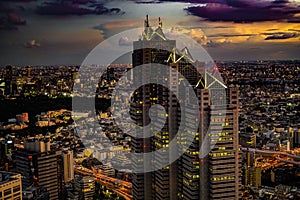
(122, 188)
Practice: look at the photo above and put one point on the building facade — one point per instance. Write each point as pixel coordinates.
(217, 175)
(40, 167)
(86, 187)
(10, 186)
(36, 193)
(68, 166)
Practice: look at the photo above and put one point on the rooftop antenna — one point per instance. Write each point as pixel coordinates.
(159, 22)
(147, 21)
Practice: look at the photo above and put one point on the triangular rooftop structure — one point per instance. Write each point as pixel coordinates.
(150, 34)
(208, 81)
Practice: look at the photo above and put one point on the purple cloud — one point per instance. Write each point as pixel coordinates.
(240, 11)
(280, 1)
(294, 20)
(281, 35)
(239, 3)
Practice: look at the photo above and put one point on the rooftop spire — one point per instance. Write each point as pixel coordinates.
(147, 21)
(159, 22)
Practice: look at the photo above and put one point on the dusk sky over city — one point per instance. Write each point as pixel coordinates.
(227, 29)
(150, 99)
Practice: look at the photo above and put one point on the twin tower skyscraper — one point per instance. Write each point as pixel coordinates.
(214, 176)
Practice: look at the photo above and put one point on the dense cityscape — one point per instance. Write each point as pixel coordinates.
(269, 132)
(256, 155)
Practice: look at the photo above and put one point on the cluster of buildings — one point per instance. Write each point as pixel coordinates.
(254, 131)
(107, 143)
(269, 122)
(269, 102)
(51, 81)
(52, 118)
(17, 123)
(278, 192)
(46, 163)
(56, 81)
(44, 170)
(264, 172)
(109, 79)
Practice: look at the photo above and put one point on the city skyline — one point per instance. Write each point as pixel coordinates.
(228, 30)
(269, 130)
(148, 113)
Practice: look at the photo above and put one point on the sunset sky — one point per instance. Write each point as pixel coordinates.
(227, 29)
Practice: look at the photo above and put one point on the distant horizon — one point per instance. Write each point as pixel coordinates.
(228, 30)
(216, 61)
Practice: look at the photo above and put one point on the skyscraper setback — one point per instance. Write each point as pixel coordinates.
(215, 176)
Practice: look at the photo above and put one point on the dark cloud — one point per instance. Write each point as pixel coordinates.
(223, 27)
(147, 1)
(75, 7)
(241, 11)
(280, 1)
(231, 35)
(10, 17)
(239, 3)
(237, 15)
(272, 29)
(281, 35)
(296, 30)
(294, 20)
(278, 4)
(185, 1)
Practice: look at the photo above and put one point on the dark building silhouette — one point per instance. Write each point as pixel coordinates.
(10, 81)
(28, 70)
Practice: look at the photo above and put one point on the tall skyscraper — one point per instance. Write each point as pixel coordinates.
(143, 183)
(68, 166)
(220, 170)
(217, 175)
(39, 166)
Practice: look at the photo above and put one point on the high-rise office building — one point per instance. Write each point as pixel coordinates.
(10, 186)
(68, 166)
(217, 175)
(40, 167)
(143, 183)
